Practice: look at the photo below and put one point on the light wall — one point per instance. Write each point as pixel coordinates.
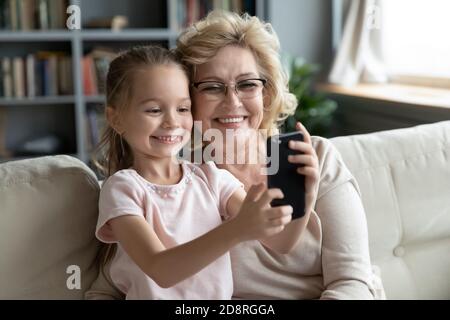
(304, 28)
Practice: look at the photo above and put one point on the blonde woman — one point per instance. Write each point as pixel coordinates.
(329, 257)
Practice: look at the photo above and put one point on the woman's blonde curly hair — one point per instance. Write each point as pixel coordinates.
(201, 42)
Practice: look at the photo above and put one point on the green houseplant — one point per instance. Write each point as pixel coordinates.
(314, 110)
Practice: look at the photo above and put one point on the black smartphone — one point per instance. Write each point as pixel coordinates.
(283, 175)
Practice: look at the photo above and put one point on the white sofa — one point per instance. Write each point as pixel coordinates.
(404, 177)
(48, 211)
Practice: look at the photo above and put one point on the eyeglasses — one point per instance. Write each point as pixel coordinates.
(244, 89)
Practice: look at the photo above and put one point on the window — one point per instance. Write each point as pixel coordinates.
(416, 41)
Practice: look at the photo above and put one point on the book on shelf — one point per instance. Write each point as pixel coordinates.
(43, 15)
(65, 75)
(26, 15)
(184, 13)
(7, 78)
(50, 73)
(95, 67)
(89, 77)
(31, 75)
(45, 73)
(57, 13)
(19, 77)
(14, 14)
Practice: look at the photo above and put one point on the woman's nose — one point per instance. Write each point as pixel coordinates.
(231, 99)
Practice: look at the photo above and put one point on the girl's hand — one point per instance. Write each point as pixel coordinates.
(309, 165)
(256, 219)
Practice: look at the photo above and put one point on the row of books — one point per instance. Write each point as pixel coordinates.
(95, 67)
(24, 15)
(186, 12)
(45, 73)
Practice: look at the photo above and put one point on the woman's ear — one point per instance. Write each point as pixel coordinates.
(113, 118)
(266, 102)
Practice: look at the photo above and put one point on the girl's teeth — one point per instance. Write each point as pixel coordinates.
(169, 138)
(231, 120)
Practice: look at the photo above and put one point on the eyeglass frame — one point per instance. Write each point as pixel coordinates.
(226, 85)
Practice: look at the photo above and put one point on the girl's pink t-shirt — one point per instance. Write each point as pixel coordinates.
(178, 214)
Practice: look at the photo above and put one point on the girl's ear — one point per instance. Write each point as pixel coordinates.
(113, 119)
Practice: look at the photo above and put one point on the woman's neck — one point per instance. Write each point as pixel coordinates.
(248, 174)
(159, 171)
(246, 161)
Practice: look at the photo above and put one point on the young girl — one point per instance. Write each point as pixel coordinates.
(174, 222)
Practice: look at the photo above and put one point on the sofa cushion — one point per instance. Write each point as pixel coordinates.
(48, 215)
(404, 177)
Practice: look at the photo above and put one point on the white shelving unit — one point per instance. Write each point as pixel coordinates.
(79, 41)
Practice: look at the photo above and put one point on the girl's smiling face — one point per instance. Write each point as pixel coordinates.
(158, 121)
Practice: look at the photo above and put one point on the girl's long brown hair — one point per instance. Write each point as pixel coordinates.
(113, 153)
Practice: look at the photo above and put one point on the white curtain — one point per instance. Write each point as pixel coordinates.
(359, 57)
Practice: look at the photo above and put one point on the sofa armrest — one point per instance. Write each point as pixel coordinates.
(48, 216)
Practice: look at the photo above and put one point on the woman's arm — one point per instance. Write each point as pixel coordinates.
(347, 271)
(144, 247)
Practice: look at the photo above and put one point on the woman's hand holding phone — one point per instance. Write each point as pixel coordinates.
(308, 165)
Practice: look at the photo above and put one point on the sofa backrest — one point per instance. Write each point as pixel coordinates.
(48, 213)
(404, 177)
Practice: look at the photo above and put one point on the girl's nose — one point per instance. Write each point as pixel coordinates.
(171, 120)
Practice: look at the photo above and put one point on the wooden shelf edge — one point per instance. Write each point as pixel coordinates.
(36, 35)
(88, 35)
(399, 93)
(37, 100)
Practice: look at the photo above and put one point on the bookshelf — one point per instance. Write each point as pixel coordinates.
(70, 115)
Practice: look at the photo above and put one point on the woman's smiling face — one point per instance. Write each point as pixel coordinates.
(230, 65)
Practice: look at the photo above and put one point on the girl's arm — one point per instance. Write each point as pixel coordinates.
(284, 241)
(281, 242)
(167, 267)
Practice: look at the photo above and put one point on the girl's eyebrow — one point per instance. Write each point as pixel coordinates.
(147, 100)
(184, 99)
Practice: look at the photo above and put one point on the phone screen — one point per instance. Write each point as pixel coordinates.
(283, 175)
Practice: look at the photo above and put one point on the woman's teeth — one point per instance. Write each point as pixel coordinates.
(169, 138)
(231, 120)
